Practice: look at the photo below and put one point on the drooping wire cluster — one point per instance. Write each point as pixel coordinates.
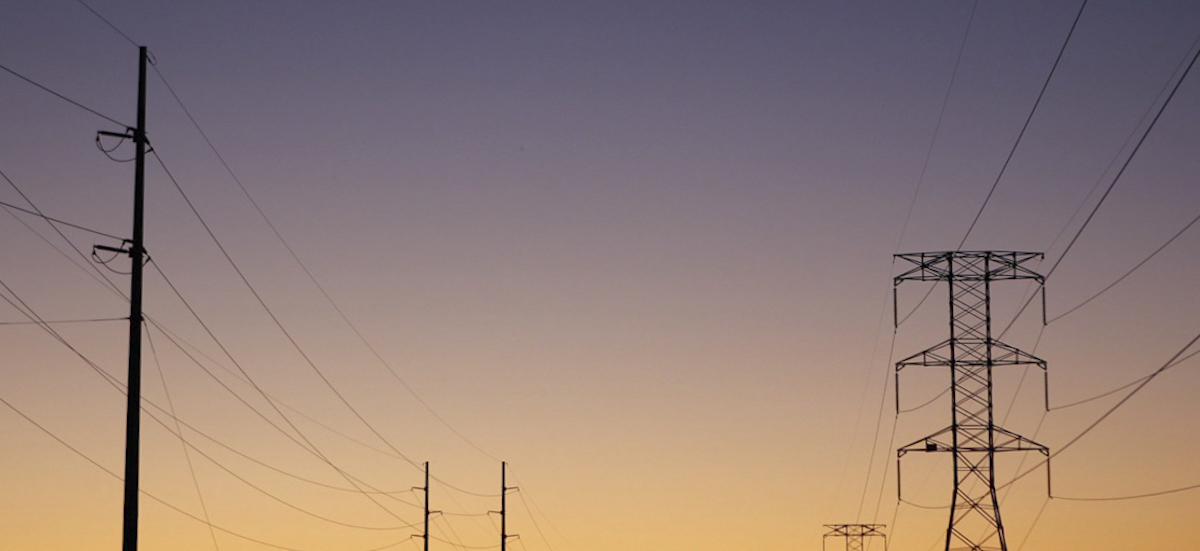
(1138, 138)
(205, 451)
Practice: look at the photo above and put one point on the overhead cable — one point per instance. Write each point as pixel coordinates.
(291, 339)
(304, 267)
(64, 98)
(187, 455)
(165, 503)
(1126, 274)
(109, 23)
(937, 128)
(307, 445)
(1137, 147)
(55, 220)
(1024, 127)
(1173, 361)
(1129, 497)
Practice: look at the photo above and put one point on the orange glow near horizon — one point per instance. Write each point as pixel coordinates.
(641, 253)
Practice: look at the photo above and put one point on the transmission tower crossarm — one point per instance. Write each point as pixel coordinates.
(930, 443)
(971, 354)
(1008, 441)
(854, 534)
(936, 266)
(939, 355)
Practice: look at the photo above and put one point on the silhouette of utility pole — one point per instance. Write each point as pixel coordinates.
(971, 353)
(854, 534)
(504, 488)
(425, 536)
(136, 252)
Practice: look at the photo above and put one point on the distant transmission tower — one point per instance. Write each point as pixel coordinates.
(855, 534)
(973, 437)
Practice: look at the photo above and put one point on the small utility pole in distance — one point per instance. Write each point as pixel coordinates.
(855, 534)
(503, 512)
(427, 511)
(425, 488)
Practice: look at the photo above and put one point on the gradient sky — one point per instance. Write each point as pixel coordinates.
(641, 251)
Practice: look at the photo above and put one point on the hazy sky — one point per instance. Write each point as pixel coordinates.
(641, 251)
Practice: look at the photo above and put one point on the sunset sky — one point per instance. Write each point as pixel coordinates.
(640, 251)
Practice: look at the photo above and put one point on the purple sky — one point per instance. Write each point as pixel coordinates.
(640, 251)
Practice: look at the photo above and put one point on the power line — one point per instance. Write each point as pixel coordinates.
(307, 445)
(187, 444)
(523, 493)
(1112, 498)
(1024, 127)
(1126, 274)
(58, 322)
(1033, 524)
(452, 533)
(1129, 497)
(304, 267)
(1173, 361)
(270, 313)
(218, 464)
(1128, 160)
(95, 273)
(1122, 387)
(1137, 147)
(1129, 140)
(66, 444)
(875, 438)
(179, 343)
(274, 497)
(291, 339)
(54, 220)
(1143, 380)
(926, 507)
(109, 23)
(885, 470)
(24, 308)
(64, 98)
(924, 404)
(533, 519)
(28, 311)
(237, 452)
(311, 447)
(900, 240)
(962, 47)
(1012, 151)
(162, 378)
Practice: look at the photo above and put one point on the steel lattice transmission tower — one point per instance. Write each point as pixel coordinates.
(855, 534)
(972, 437)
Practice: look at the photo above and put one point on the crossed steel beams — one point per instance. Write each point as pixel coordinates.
(971, 353)
(855, 534)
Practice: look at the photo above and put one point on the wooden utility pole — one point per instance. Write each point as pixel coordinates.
(426, 489)
(504, 488)
(137, 254)
(503, 510)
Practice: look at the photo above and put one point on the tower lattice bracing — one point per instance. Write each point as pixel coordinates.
(855, 534)
(971, 352)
